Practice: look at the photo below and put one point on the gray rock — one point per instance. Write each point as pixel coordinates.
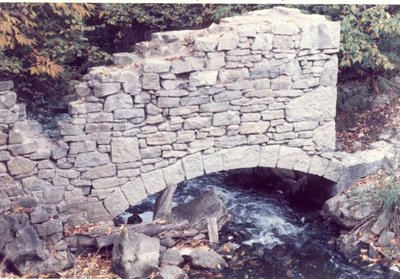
(105, 89)
(226, 76)
(49, 228)
(118, 101)
(228, 41)
(125, 150)
(25, 253)
(116, 203)
(6, 85)
(348, 246)
(7, 99)
(20, 165)
(92, 159)
(203, 78)
(39, 215)
(207, 259)
(135, 255)
(171, 257)
(172, 272)
(156, 66)
(100, 172)
(151, 81)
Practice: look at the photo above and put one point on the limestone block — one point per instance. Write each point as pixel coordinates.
(325, 137)
(9, 116)
(152, 65)
(4, 155)
(27, 147)
(45, 174)
(100, 172)
(151, 81)
(241, 157)
(281, 83)
(230, 141)
(318, 35)
(215, 107)
(168, 102)
(226, 118)
(259, 127)
(269, 156)
(34, 184)
(161, 138)
(185, 136)
(273, 114)
(132, 87)
(116, 203)
(206, 44)
(129, 113)
(195, 100)
(189, 64)
(231, 75)
(330, 72)
(53, 194)
(125, 150)
(305, 125)
(93, 128)
(197, 123)
(306, 83)
(20, 165)
(287, 93)
(257, 139)
(171, 84)
(68, 129)
(318, 165)
(7, 99)
(153, 181)
(108, 182)
(334, 170)
(82, 89)
(91, 159)
(106, 88)
(283, 42)
(227, 96)
(293, 158)
(200, 144)
(228, 41)
(174, 174)
(213, 162)
(79, 107)
(100, 117)
(262, 42)
(284, 136)
(134, 191)
(284, 29)
(203, 78)
(3, 138)
(215, 61)
(193, 165)
(316, 105)
(71, 173)
(96, 212)
(49, 228)
(118, 101)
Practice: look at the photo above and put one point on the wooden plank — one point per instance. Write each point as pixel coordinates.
(212, 227)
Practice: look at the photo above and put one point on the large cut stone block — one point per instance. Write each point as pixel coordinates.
(293, 158)
(156, 66)
(205, 43)
(92, 159)
(317, 105)
(134, 191)
(213, 162)
(174, 174)
(20, 165)
(325, 137)
(269, 156)
(100, 172)
(226, 118)
(105, 89)
(118, 101)
(125, 150)
(153, 181)
(116, 203)
(228, 41)
(193, 165)
(231, 75)
(241, 157)
(203, 78)
(318, 165)
(320, 35)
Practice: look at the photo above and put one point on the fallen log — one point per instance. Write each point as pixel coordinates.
(104, 236)
(163, 205)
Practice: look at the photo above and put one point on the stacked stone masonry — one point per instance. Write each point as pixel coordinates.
(255, 90)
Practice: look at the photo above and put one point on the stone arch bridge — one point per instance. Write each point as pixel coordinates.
(255, 90)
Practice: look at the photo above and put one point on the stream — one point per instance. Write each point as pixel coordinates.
(276, 239)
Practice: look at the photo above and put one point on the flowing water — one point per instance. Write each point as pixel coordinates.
(276, 240)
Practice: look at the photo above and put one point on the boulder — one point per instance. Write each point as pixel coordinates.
(207, 259)
(135, 255)
(171, 257)
(24, 253)
(172, 272)
(198, 210)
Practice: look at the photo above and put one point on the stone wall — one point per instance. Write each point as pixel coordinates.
(255, 90)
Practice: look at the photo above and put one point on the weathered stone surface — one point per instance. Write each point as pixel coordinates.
(205, 43)
(215, 61)
(135, 255)
(48, 228)
(125, 150)
(324, 137)
(91, 159)
(7, 99)
(269, 156)
(207, 259)
(172, 272)
(189, 64)
(228, 41)
(293, 158)
(118, 101)
(203, 78)
(161, 138)
(82, 147)
(116, 203)
(259, 127)
(20, 165)
(317, 105)
(240, 157)
(108, 182)
(213, 162)
(226, 76)
(193, 165)
(321, 35)
(151, 81)
(156, 66)
(174, 174)
(134, 191)
(330, 73)
(197, 123)
(153, 181)
(6, 85)
(100, 172)
(226, 118)
(105, 89)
